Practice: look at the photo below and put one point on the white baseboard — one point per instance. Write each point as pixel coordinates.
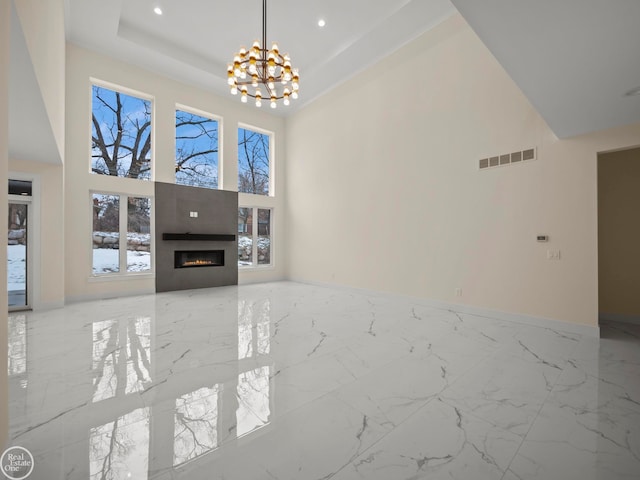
(550, 323)
(40, 306)
(106, 296)
(617, 317)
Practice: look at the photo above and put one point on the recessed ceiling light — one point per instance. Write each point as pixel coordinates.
(633, 92)
(157, 11)
(321, 22)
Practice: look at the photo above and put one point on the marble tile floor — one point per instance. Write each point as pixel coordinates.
(290, 381)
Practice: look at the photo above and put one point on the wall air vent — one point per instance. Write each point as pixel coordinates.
(507, 159)
(529, 154)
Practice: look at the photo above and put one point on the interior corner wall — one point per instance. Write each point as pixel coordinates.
(44, 31)
(384, 190)
(5, 15)
(619, 233)
(83, 66)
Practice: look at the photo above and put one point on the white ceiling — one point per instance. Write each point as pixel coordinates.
(194, 40)
(574, 59)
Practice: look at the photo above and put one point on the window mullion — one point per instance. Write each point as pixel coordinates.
(124, 204)
(255, 237)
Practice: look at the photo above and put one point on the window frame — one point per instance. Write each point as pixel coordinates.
(152, 127)
(211, 116)
(272, 170)
(123, 218)
(254, 238)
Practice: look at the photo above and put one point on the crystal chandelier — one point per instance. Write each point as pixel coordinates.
(263, 74)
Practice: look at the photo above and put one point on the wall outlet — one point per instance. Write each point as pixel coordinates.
(458, 292)
(553, 254)
(193, 214)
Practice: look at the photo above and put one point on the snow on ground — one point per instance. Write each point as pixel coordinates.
(16, 267)
(105, 260)
(245, 248)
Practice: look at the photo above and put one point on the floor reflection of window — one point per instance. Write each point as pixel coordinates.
(253, 400)
(196, 424)
(121, 357)
(17, 361)
(138, 354)
(120, 449)
(253, 328)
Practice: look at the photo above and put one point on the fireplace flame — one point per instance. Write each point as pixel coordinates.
(193, 263)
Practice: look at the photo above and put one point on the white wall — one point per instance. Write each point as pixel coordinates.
(43, 27)
(5, 15)
(82, 66)
(48, 200)
(384, 192)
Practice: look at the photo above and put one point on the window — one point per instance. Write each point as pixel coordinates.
(138, 234)
(106, 234)
(254, 162)
(114, 253)
(121, 134)
(196, 150)
(254, 244)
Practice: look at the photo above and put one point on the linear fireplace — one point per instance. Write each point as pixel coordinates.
(198, 258)
(195, 228)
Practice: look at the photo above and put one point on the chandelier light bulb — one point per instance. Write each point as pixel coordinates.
(294, 95)
(234, 90)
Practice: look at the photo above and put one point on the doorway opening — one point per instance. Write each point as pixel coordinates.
(18, 257)
(619, 235)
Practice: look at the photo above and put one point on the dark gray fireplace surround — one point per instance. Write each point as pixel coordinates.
(179, 230)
